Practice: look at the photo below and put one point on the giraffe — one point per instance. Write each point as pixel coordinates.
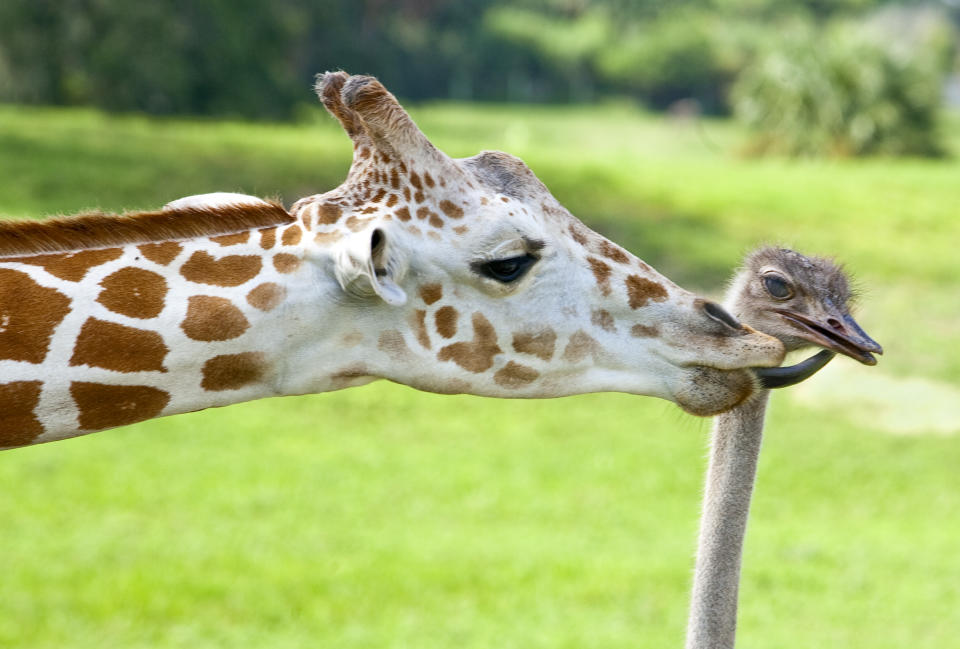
(451, 276)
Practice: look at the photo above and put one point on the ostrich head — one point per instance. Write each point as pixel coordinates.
(803, 301)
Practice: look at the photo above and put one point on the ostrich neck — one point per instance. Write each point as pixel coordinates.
(735, 445)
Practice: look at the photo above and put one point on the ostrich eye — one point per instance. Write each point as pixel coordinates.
(506, 270)
(777, 286)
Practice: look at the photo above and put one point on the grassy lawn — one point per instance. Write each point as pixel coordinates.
(384, 517)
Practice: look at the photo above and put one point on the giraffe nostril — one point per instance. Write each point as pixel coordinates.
(718, 314)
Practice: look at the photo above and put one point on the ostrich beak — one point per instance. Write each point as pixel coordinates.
(839, 333)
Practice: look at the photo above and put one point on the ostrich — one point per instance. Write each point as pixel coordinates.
(803, 301)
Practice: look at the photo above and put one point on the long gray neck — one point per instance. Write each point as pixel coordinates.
(735, 446)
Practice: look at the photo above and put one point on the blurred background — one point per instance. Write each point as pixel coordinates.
(689, 132)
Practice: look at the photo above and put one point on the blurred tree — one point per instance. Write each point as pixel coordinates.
(257, 59)
(851, 89)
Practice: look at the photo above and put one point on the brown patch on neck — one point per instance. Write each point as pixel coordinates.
(514, 375)
(100, 230)
(233, 371)
(292, 235)
(18, 423)
(446, 321)
(106, 406)
(213, 318)
(418, 320)
(613, 252)
(391, 341)
(161, 253)
(580, 346)
(266, 296)
(601, 271)
(231, 239)
(71, 266)
(450, 209)
(285, 263)
(29, 313)
(641, 291)
(233, 270)
(643, 331)
(602, 318)
(430, 293)
(118, 347)
(540, 344)
(134, 292)
(476, 355)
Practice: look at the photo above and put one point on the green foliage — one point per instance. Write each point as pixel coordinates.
(258, 59)
(843, 92)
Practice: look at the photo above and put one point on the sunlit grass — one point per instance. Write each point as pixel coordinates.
(382, 517)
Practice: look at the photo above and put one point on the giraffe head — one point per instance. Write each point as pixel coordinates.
(472, 278)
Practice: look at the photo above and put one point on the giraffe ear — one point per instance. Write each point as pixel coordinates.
(367, 265)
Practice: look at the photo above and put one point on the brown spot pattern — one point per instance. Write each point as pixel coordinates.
(514, 375)
(403, 213)
(232, 270)
(602, 318)
(232, 239)
(356, 224)
(451, 209)
(446, 321)
(285, 262)
(642, 290)
(18, 423)
(29, 313)
(328, 213)
(643, 331)
(540, 344)
(391, 341)
(435, 220)
(105, 406)
(119, 348)
(578, 235)
(161, 253)
(476, 355)
(233, 371)
(292, 235)
(326, 238)
(268, 238)
(613, 252)
(134, 292)
(579, 347)
(430, 293)
(266, 296)
(419, 323)
(213, 318)
(601, 271)
(71, 266)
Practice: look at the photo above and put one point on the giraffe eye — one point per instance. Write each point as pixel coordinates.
(506, 270)
(777, 286)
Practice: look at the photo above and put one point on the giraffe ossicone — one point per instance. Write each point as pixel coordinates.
(448, 275)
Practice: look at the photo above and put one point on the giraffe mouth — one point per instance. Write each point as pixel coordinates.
(781, 377)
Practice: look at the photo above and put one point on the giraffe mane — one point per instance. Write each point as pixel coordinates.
(100, 230)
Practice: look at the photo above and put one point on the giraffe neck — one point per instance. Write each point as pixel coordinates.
(734, 449)
(105, 337)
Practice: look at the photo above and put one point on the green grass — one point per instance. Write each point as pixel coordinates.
(383, 517)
